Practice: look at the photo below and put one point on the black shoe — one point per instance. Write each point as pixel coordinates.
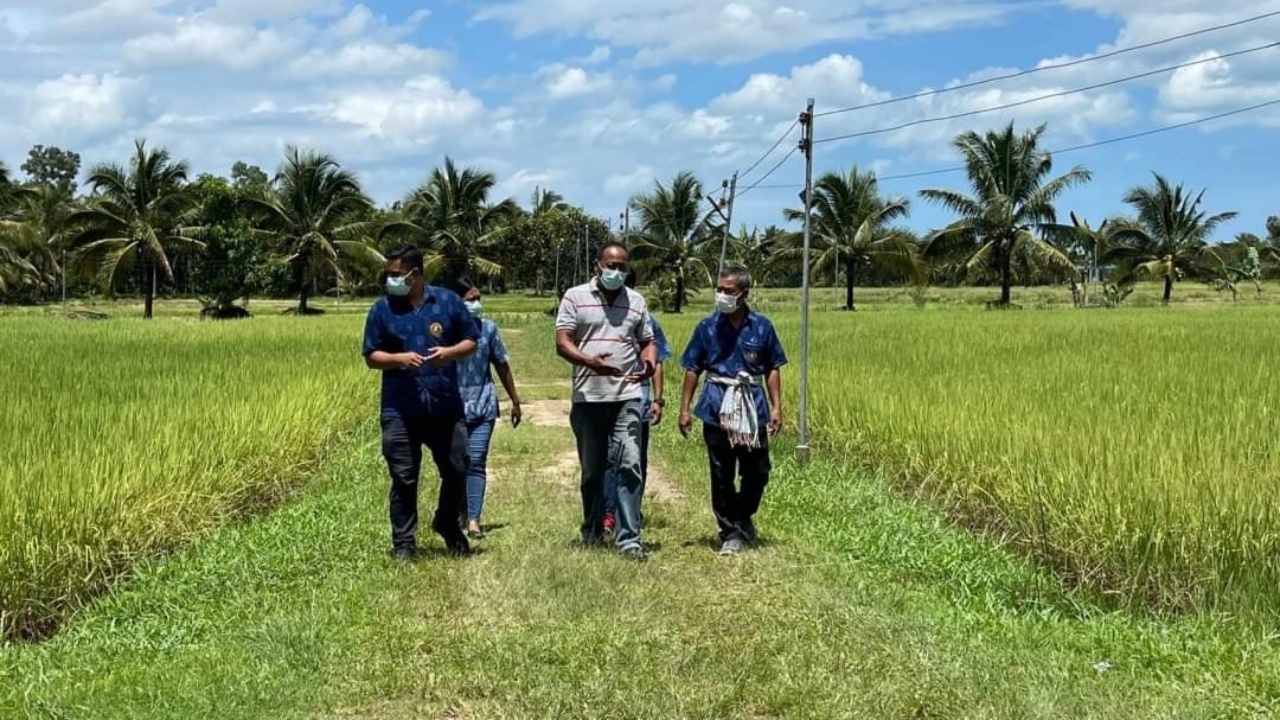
(636, 553)
(455, 541)
(404, 554)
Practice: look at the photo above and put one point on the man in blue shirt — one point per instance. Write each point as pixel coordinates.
(740, 352)
(415, 336)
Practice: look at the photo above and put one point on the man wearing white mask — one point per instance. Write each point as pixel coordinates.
(603, 330)
(415, 336)
(740, 352)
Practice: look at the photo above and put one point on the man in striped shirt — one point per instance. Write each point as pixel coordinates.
(603, 330)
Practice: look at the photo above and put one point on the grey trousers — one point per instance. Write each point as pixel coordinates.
(596, 426)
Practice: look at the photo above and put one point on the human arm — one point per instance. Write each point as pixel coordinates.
(773, 384)
(502, 363)
(645, 341)
(375, 356)
(773, 381)
(567, 347)
(694, 361)
(465, 327)
(657, 403)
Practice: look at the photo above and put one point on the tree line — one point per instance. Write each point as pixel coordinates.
(148, 228)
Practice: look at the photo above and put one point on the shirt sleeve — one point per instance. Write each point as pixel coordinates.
(644, 328)
(497, 349)
(567, 316)
(777, 356)
(694, 358)
(660, 338)
(372, 330)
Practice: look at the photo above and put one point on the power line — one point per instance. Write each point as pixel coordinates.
(1049, 96)
(770, 150)
(773, 169)
(1055, 66)
(1074, 148)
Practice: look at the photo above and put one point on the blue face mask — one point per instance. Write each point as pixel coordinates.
(473, 307)
(612, 279)
(398, 286)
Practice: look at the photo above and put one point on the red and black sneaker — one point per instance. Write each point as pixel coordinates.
(609, 522)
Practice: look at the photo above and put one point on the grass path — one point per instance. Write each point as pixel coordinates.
(860, 604)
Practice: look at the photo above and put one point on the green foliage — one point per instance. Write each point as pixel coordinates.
(1169, 237)
(1013, 200)
(317, 221)
(851, 229)
(142, 215)
(235, 260)
(674, 237)
(52, 166)
(450, 217)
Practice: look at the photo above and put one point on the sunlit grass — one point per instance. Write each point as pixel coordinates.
(1134, 450)
(123, 439)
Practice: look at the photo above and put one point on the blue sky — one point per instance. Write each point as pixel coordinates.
(597, 100)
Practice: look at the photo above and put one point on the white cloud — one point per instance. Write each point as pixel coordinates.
(416, 113)
(567, 81)
(731, 30)
(368, 59)
(627, 183)
(197, 41)
(82, 103)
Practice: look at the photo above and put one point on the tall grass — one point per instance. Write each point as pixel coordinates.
(1134, 450)
(124, 439)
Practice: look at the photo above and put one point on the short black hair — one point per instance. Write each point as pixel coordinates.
(407, 255)
(612, 244)
(461, 285)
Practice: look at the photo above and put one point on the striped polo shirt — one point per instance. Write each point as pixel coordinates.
(599, 326)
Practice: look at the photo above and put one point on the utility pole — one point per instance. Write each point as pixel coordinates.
(728, 219)
(806, 146)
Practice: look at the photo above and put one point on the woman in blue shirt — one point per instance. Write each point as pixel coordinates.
(481, 401)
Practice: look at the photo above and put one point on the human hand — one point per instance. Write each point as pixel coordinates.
(686, 422)
(516, 414)
(599, 364)
(438, 356)
(645, 374)
(775, 422)
(655, 412)
(410, 360)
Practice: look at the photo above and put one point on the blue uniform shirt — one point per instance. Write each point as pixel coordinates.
(719, 348)
(474, 380)
(664, 354)
(395, 326)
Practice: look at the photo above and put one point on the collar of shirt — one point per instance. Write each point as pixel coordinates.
(723, 319)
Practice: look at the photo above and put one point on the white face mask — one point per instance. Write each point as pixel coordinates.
(473, 306)
(398, 286)
(612, 279)
(727, 303)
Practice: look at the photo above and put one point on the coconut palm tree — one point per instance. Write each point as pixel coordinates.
(1013, 199)
(317, 217)
(544, 201)
(35, 227)
(1169, 236)
(851, 229)
(140, 214)
(671, 235)
(451, 217)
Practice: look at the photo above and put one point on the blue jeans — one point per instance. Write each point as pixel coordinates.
(611, 477)
(597, 427)
(479, 432)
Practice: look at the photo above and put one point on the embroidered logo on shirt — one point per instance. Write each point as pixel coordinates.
(751, 355)
(436, 330)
